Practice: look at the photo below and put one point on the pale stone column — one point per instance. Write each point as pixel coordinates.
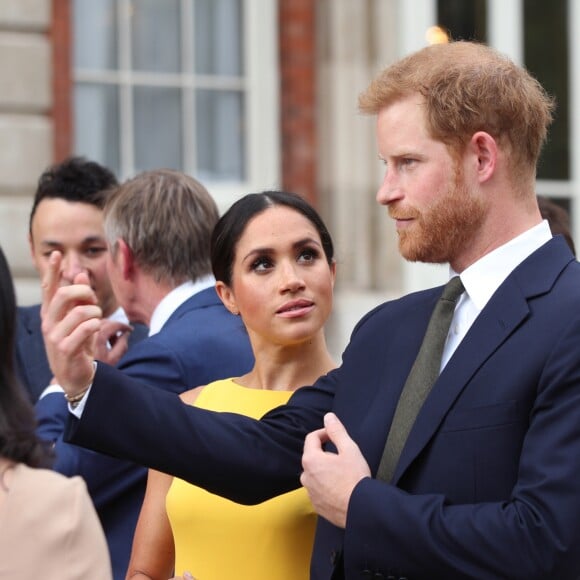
(356, 39)
(25, 128)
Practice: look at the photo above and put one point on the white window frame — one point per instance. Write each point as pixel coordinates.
(261, 98)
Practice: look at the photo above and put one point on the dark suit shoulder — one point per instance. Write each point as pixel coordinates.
(28, 319)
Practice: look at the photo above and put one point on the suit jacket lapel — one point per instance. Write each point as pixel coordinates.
(506, 310)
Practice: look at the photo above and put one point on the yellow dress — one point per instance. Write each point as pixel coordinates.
(217, 539)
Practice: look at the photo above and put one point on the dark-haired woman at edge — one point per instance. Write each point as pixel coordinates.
(48, 526)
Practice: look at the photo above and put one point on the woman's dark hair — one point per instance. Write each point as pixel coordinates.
(232, 224)
(18, 441)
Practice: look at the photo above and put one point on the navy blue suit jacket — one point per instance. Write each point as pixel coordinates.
(199, 343)
(488, 484)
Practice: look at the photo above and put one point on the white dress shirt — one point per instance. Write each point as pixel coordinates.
(172, 301)
(485, 276)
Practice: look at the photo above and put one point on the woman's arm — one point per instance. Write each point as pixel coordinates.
(153, 553)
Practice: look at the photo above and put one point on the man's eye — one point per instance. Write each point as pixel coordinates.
(95, 251)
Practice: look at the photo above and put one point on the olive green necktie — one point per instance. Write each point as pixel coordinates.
(423, 375)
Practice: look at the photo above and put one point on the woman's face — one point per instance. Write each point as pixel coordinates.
(281, 280)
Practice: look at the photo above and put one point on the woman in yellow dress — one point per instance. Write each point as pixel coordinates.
(273, 260)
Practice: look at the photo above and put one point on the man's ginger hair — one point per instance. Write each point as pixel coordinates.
(470, 87)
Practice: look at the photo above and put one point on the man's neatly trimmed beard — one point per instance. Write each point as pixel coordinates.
(444, 228)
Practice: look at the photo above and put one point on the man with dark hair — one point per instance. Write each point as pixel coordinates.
(67, 215)
(558, 218)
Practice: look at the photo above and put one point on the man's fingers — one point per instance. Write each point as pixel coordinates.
(80, 334)
(49, 283)
(112, 329)
(82, 278)
(337, 433)
(77, 303)
(315, 440)
(80, 315)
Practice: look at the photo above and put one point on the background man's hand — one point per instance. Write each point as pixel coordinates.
(70, 319)
(112, 341)
(330, 477)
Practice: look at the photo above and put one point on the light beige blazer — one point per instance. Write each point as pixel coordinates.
(49, 529)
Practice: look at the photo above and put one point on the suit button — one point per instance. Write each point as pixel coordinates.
(333, 557)
(378, 576)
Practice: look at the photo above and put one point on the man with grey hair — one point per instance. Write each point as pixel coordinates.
(158, 227)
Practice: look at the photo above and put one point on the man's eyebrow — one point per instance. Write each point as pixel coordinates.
(84, 241)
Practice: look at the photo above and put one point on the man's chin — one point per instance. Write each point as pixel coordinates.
(420, 254)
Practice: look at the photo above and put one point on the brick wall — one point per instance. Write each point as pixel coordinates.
(297, 32)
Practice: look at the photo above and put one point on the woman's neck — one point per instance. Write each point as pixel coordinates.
(289, 367)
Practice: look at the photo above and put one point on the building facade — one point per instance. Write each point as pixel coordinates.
(249, 95)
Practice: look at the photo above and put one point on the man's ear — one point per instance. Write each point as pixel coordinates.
(227, 297)
(485, 151)
(126, 259)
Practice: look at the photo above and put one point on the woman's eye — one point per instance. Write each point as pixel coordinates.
(261, 265)
(309, 255)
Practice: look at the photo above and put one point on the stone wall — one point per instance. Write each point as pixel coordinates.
(26, 129)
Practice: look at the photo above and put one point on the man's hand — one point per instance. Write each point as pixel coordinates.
(112, 341)
(70, 319)
(329, 477)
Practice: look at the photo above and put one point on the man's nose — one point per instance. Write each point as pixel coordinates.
(72, 264)
(389, 190)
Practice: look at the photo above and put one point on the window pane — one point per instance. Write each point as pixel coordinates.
(157, 128)
(95, 34)
(156, 35)
(219, 135)
(218, 37)
(546, 56)
(97, 124)
(463, 19)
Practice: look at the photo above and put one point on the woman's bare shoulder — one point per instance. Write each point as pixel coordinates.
(190, 396)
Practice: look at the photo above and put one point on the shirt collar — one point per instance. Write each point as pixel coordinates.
(119, 316)
(485, 276)
(172, 301)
